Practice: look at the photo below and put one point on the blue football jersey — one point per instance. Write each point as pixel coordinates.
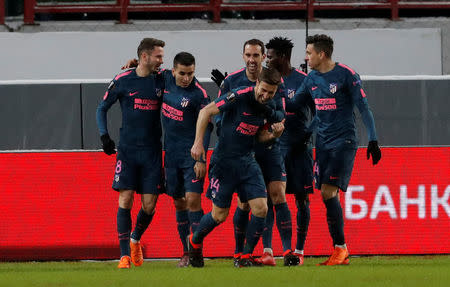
(296, 122)
(179, 115)
(241, 122)
(335, 94)
(140, 101)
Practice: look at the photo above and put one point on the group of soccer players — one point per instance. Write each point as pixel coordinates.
(263, 121)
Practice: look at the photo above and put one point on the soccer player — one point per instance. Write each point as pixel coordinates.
(295, 149)
(246, 115)
(182, 100)
(139, 159)
(335, 89)
(268, 157)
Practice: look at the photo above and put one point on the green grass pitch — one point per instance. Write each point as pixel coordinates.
(421, 271)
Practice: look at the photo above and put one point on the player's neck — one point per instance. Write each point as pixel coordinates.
(142, 71)
(252, 76)
(326, 66)
(286, 70)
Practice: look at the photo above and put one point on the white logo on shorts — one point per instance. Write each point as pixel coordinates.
(116, 178)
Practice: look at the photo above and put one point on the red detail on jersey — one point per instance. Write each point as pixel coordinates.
(362, 93)
(247, 129)
(146, 104)
(123, 75)
(172, 113)
(313, 88)
(301, 72)
(325, 104)
(348, 68)
(246, 90)
(106, 95)
(221, 103)
(201, 88)
(238, 71)
(283, 100)
(133, 94)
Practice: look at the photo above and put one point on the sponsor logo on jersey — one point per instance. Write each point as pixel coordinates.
(132, 94)
(246, 114)
(314, 88)
(184, 102)
(333, 88)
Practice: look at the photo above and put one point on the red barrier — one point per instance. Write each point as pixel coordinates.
(2, 12)
(122, 7)
(60, 205)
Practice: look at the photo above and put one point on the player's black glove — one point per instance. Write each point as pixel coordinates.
(218, 77)
(108, 145)
(374, 150)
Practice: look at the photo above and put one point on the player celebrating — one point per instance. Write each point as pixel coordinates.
(296, 152)
(139, 162)
(335, 89)
(268, 156)
(182, 100)
(245, 112)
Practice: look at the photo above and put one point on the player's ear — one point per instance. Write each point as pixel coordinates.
(173, 72)
(264, 56)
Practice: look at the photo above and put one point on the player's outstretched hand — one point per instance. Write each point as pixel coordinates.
(218, 77)
(200, 169)
(108, 145)
(198, 152)
(374, 150)
(130, 64)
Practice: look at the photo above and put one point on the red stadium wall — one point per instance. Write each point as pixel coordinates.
(60, 205)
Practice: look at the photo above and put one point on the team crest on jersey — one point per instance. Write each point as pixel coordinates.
(184, 102)
(333, 88)
(291, 93)
(158, 92)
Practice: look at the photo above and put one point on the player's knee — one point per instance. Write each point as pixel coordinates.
(243, 206)
(180, 203)
(126, 199)
(259, 209)
(193, 201)
(219, 215)
(149, 203)
(328, 191)
(277, 191)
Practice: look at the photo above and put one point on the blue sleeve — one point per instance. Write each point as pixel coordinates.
(110, 97)
(224, 89)
(301, 98)
(204, 102)
(280, 112)
(360, 100)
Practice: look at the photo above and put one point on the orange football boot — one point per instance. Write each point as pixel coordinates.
(136, 253)
(338, 257)
(266, 259)
(125, 262)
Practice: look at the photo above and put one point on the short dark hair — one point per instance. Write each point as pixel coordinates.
(270, 76)
(254, 42)
(183, 58)
(282, 46)
(148, 44)
(322, 43)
